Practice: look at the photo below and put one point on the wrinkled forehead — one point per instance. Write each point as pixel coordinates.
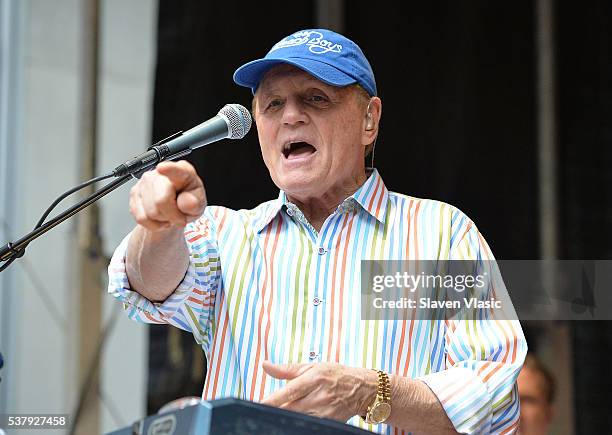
(275, 75)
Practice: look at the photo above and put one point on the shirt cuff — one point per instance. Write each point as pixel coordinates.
(137, 306)
(464, 397)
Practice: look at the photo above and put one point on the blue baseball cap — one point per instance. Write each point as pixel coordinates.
(326, 55)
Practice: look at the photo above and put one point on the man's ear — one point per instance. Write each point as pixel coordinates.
(369, 122)
(372, 119)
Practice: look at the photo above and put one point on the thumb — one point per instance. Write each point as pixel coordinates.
(285, 371)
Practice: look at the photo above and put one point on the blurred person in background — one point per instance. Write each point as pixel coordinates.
(537, 394)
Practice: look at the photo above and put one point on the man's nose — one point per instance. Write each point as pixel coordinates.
(293, 113)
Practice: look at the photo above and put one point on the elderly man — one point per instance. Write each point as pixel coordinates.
(273, 294)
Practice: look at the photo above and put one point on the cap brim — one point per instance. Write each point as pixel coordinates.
(250, 74)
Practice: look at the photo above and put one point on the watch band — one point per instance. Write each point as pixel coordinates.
(379, 411)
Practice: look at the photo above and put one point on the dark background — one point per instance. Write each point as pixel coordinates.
(458, 85)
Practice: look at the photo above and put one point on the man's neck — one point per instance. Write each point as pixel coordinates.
(317, 209)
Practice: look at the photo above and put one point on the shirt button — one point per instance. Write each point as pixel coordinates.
(322, 250)
(316, 301)
(312, 355)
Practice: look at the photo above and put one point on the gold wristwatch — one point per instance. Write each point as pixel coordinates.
(380, 410)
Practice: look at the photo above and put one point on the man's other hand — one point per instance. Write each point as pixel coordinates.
(327, 390)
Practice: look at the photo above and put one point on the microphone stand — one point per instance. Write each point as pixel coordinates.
(134, 168)
(233, 121)
(16, 249)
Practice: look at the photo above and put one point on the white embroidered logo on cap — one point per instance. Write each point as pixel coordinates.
(314, 40)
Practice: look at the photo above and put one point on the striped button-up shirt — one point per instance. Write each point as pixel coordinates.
(264, 284)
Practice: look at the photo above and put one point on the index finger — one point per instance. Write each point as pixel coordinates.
(181, 174)
(295, 389)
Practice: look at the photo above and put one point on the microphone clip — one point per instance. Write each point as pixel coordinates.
(156, 153)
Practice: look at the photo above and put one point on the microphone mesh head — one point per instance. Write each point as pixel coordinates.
(239, 118)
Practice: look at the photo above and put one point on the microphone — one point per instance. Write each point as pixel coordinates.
(232, 122)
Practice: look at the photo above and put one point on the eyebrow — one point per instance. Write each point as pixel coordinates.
(311, 84)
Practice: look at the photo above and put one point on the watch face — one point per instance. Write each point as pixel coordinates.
(380, 412)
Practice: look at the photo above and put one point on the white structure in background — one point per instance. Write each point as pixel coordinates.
(39, 152)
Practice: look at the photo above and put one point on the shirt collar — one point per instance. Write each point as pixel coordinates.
(372, 196)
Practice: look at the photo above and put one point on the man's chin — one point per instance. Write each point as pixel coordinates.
(298, 185)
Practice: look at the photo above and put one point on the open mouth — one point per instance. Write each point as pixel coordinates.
(295, 150)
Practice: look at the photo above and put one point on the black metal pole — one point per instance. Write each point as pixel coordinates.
(13, 247)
